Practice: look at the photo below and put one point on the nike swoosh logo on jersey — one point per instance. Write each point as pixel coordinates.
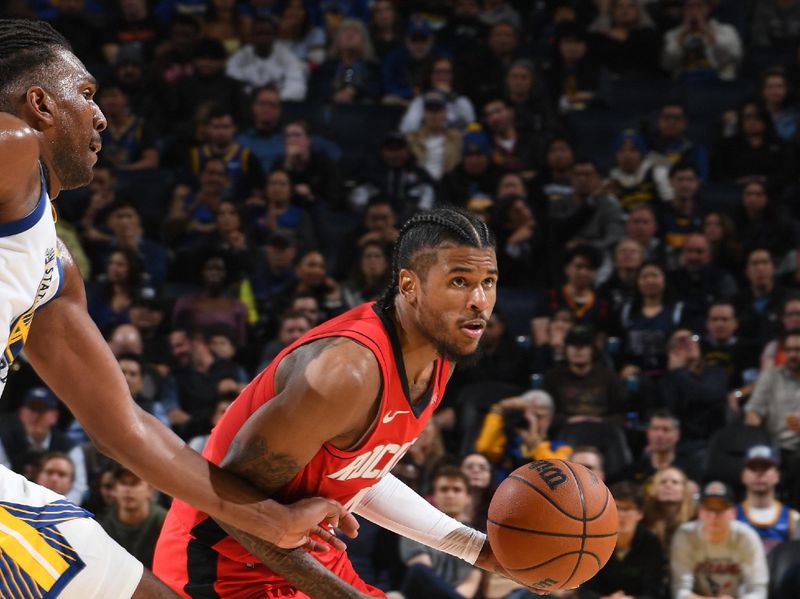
(392, 415)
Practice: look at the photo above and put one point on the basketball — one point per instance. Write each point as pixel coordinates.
(552, 524)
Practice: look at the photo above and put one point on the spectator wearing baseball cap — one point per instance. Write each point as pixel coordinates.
(436, 146)
(774, 521)
(403, 68)
(32, 432)
(475, 175)
(582, 387)
(715, 555)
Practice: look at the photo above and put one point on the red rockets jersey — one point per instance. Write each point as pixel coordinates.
(332, 473)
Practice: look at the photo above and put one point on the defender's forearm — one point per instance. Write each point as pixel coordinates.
(297, 566)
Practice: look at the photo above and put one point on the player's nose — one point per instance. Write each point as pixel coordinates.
(479, 299)
(99, 120)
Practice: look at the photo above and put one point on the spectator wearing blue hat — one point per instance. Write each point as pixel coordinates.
(403, 68)
(635, 179)
(32, 432)
(476, 174)
(774, 521)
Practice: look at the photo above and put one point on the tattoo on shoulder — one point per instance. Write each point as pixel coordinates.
(253, 461)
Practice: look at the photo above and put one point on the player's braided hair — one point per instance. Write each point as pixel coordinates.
(427, 230)
(25, 46)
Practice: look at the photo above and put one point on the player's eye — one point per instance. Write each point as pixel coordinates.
(459, 282)
(489, 283)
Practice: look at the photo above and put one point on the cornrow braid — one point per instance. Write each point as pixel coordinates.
(25, 46)
(428, 230)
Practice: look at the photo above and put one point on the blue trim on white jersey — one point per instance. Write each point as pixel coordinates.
(26, 222)
(60, 269)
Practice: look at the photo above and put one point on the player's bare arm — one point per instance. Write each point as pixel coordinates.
(326, 392)
(72, 358)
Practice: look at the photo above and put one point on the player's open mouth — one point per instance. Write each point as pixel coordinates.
(473, 328)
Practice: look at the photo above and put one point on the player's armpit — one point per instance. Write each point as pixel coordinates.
(297, 566)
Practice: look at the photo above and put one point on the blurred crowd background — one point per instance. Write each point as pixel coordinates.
(637, 161)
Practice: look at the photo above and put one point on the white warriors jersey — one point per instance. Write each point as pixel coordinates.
(30, 275)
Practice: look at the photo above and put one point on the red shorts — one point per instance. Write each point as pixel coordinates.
(195, 569)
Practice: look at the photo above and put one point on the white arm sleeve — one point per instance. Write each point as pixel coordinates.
(396, 507)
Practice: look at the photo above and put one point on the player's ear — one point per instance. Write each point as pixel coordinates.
(40, 106)
(408, 285)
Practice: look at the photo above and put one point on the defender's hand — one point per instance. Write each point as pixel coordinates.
(305, 520)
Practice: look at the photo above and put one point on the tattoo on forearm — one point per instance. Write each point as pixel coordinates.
(253, 461)
(297, 566)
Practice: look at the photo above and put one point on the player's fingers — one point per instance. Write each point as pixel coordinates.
(328, 537)
(349, 525)
(317, 546)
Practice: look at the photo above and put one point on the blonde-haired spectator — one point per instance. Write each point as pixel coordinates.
(350, 73)
(669, 503)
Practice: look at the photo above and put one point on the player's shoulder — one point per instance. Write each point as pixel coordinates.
(19, 153)
(17, 135)
(335, 365)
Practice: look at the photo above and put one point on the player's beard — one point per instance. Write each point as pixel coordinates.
(446, 349)
(71, 162)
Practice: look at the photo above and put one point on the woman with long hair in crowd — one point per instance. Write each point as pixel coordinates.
(670, 503)
(481, 487)
(439, 75)
(649, 319)
(385, 27)
(299, 34)
(213, 304)
(370, 274)
(110, 300)
(726, 249)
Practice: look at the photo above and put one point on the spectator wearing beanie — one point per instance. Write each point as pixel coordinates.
(475, 175)
(635, 179)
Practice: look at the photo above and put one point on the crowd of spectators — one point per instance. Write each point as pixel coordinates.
(637, 162)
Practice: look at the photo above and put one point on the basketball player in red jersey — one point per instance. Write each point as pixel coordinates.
(335, 411)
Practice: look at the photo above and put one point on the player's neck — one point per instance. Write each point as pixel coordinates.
(418, 351)
(52, 181)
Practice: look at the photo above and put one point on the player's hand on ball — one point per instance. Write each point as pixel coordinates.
(487, 561)
(304, 529)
